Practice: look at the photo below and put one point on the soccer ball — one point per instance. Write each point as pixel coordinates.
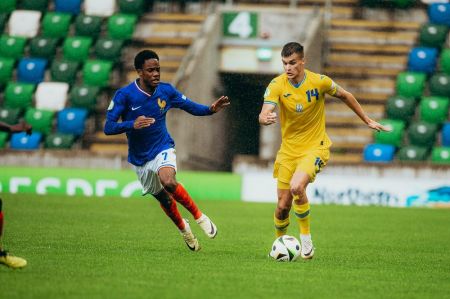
(285, 249)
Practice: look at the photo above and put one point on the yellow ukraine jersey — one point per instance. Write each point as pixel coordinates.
(302, 111)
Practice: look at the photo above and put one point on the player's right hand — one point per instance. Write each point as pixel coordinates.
(268, 118)
(143, 122)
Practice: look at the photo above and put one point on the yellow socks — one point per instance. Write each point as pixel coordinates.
(281, 225)
(303, 218)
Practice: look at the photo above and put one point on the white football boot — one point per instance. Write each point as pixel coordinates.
(307, 251)
(207, 226)
(189, 238)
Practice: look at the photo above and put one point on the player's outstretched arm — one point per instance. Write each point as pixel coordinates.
(351, 102)
(219, 104)
(17, 128)
(267, 115)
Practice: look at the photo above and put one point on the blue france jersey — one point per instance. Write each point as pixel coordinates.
(130, 102)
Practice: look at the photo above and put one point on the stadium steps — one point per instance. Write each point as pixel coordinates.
(109, 149)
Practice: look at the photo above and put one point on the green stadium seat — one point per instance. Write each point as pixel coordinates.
(96, 72)
(403, 3)
(76, 48)
(59, 141)
(40, 120)
(439, 85)
(7, 6)
(9, 115)
(83, 96)
(395, 137)
(88, 26)
(434, 109)
(401, 108)
(440, 155)
(134, 7)
(3, 139)
(12, 46)
(432, 35)
(56, 24)
(422, 134)
(121, 26)
(43, 47)
(445, 61)
(411, 84)
(3, 19)
(19, 95)
(412, 153)
(41, 5)
(108, 49)
(64, 71)
(6, 70)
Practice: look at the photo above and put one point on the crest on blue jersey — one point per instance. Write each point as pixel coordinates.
(161, 104)
(298, 107)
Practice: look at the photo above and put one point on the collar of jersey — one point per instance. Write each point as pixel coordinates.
(141, 90)
(299, 84)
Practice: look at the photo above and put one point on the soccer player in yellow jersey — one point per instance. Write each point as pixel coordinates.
(299, 95)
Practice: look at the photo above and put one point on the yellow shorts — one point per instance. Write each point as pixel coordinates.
(310, 163)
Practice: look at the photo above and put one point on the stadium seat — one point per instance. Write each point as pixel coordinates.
(19, 95)
(135, 7)
(432, 35)
(440, 155)
(439, 13)
(76, 48)
(71, 121)
(9, 115)
(446, 134)
(439, 85)
(108, 49)
(51, 96)
(41, 5)
(382, 153)
(445, 61)
(88, 26)
(3, 139)
(7, 6)
(3, 19)
(401, 108)
(404, 4)
(84, 96)
(64, 71)
(21, 141)
(24, 23)
(422, 59)
(104, 8)
(31, 70)
(68, 6)
(121, 26)
(12, 46)
(422, 134)
(395, 137)
(56, 24)
(6, 70)
(412, 153)
(96, 72)
(43, 47)
(59, 141)
(434, 109)
(411, 84)
(40, 120)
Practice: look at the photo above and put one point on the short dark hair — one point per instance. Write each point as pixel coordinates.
(291, 48)
(142, 56)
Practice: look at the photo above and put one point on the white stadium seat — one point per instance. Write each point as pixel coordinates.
(52, 95)
(103, 8)
(24, 23)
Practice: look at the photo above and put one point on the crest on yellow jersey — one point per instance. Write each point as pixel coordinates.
(298, 107)
(161, 104)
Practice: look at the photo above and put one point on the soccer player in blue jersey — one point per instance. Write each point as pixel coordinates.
(142, 106)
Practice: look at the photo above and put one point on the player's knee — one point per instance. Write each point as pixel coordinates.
(283, 208)
(170, 184)
(298, 190)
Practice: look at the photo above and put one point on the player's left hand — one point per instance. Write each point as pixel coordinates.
(377, 126)
(220, 103)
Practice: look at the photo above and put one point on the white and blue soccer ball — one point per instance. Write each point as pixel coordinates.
(285, 249)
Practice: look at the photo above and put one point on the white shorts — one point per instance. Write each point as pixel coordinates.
(148, 173)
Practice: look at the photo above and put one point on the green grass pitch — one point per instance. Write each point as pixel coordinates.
(126, 248)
